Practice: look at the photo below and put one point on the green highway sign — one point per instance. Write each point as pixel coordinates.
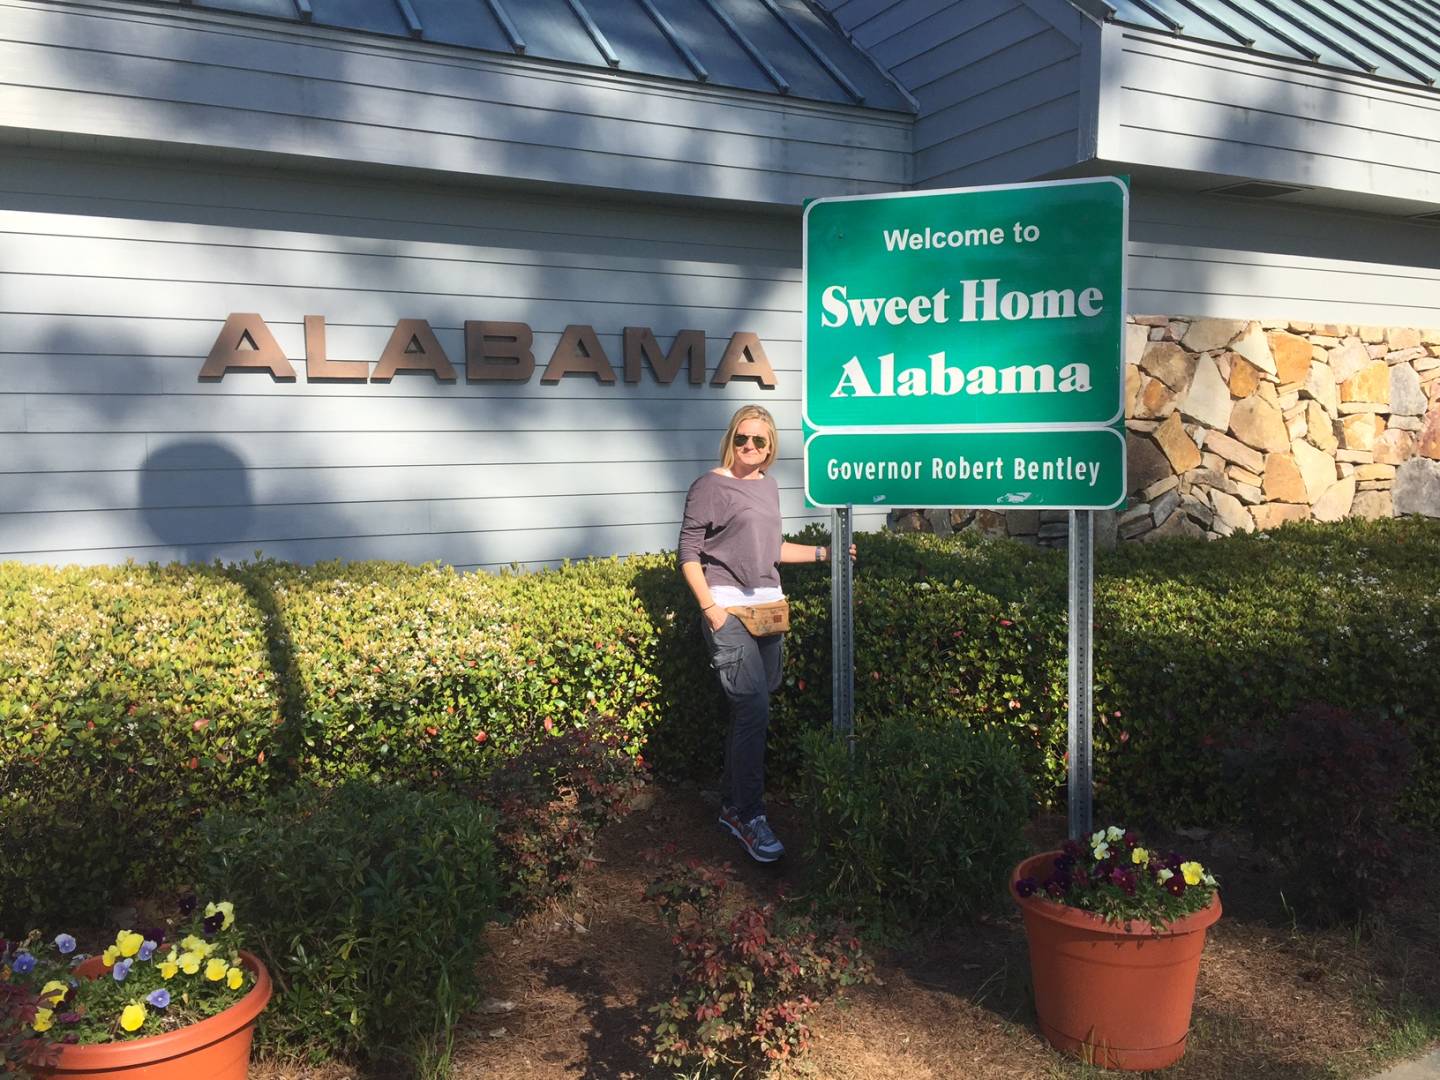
(993, 307)
(1075, 470)
(965, 347)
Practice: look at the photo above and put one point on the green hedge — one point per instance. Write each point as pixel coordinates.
(368, 904)
(209, 683)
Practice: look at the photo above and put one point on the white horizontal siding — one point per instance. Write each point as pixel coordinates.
(1183, 105)
(1209, 255)
(111, 295)
(196, 79)
(1002, 85)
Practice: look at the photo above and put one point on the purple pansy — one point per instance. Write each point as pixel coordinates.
(65, 943)
(147, 949)
(1026, 886)
(122, 969)
(188, 902)
(212, 924)
(159, 998)
(23, 963)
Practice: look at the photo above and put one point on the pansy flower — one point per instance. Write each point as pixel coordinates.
(225, 909)
(132, 1016)
(65, 943)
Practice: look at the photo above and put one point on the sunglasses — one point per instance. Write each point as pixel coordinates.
(760, 441)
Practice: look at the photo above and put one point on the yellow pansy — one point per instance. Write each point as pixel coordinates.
(109, 956)
(225, 908)
(1164, 875)
(234, 978)
(190, 962)
(215, 969)
(132, 1016)
(54, 990)
(129, 942)
(168, 968)
(44, 1019)
(1193, 871)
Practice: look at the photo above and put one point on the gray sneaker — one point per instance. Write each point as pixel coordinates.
(756, 835)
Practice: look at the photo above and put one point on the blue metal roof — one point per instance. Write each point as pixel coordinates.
(773, 46)
(1394, 39)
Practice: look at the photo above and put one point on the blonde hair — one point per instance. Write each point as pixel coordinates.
(748, 412)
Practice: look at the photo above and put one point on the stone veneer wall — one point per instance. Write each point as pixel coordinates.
(1236, 425)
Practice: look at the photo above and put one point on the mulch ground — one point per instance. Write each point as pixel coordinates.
(569, 988)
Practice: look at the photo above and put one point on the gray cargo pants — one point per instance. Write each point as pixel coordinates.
(749, 671)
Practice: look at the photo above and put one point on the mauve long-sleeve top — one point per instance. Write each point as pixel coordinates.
(732, 529)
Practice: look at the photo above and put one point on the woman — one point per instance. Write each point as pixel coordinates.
(730, 555)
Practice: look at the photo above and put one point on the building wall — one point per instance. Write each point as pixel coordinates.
(1218, 256)
(1186, 105)
(1002, 87)
(215, 83)
(115, 278)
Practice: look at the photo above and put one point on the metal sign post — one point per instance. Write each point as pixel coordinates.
(1082, 596)
(842, 624)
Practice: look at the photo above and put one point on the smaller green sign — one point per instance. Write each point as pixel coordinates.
(1076, 470)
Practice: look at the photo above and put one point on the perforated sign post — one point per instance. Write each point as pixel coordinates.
(964, 348)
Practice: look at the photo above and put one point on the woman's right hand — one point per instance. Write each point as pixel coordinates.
(717, 616)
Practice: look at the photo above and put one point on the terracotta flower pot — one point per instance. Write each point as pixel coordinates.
(216, 1048)
(1119, 998)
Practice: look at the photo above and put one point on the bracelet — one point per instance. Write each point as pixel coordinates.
(707, 607)
(819, 557)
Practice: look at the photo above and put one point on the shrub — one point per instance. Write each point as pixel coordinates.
(551, 801)
(367, 903)
(1322, 794)
(128, 697)
(239, 679)
(921, 823)
(746, 979)
(422, 674)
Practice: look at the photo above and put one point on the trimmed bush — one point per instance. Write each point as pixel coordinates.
(1322, 795)
(920, 824)
(201, 680)
(130, 699)
(367, 903)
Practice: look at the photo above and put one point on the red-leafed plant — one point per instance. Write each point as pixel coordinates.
(553, 798)
(746, 978)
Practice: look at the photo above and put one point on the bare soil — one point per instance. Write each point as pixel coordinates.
(569, 988)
